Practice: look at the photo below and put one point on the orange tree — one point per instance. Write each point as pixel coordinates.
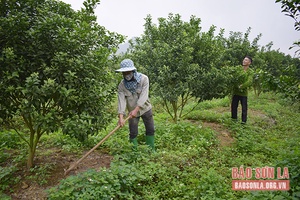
(277, 72)
(54, 73)
(178, 58)
(291, 8)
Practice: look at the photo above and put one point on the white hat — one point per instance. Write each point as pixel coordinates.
(126, 66)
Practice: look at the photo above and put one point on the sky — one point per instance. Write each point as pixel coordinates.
(127, 17)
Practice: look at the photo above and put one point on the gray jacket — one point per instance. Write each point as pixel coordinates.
(130, 101)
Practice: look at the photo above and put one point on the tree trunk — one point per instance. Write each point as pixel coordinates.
(34, 139)
(30, 158)
(175, 109)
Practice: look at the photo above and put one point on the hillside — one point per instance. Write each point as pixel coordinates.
(194, 157)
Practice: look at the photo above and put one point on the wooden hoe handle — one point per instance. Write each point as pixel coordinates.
(95, 147)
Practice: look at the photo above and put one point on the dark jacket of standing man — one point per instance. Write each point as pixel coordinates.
(240, 92)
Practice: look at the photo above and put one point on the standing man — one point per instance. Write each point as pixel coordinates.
(133, 95)
(240, 92)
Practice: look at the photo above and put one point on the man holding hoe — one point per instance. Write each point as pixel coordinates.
(133, 95)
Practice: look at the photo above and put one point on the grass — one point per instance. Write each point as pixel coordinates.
(190, 162)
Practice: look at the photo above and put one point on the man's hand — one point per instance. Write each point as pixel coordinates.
(121, 121)
(134, 113)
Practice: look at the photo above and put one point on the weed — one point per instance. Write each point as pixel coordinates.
(40, 174)
(189, 162)
(6, 178)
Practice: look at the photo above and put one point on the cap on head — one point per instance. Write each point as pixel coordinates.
(126, 65)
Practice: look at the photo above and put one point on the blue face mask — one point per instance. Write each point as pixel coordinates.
(128, 77)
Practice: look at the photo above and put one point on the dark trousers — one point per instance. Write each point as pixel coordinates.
(148, 122)
(235, 104)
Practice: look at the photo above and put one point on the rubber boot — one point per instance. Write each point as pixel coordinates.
(150, 141)
(134, 143)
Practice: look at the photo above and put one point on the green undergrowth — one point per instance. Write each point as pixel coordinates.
(190, 161)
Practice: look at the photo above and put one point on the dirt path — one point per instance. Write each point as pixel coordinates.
(28, 190)
(222, 133)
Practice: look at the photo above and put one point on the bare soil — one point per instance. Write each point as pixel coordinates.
(223, 134)
(59, 162)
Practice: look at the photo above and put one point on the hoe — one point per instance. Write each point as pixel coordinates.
(95, 147)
